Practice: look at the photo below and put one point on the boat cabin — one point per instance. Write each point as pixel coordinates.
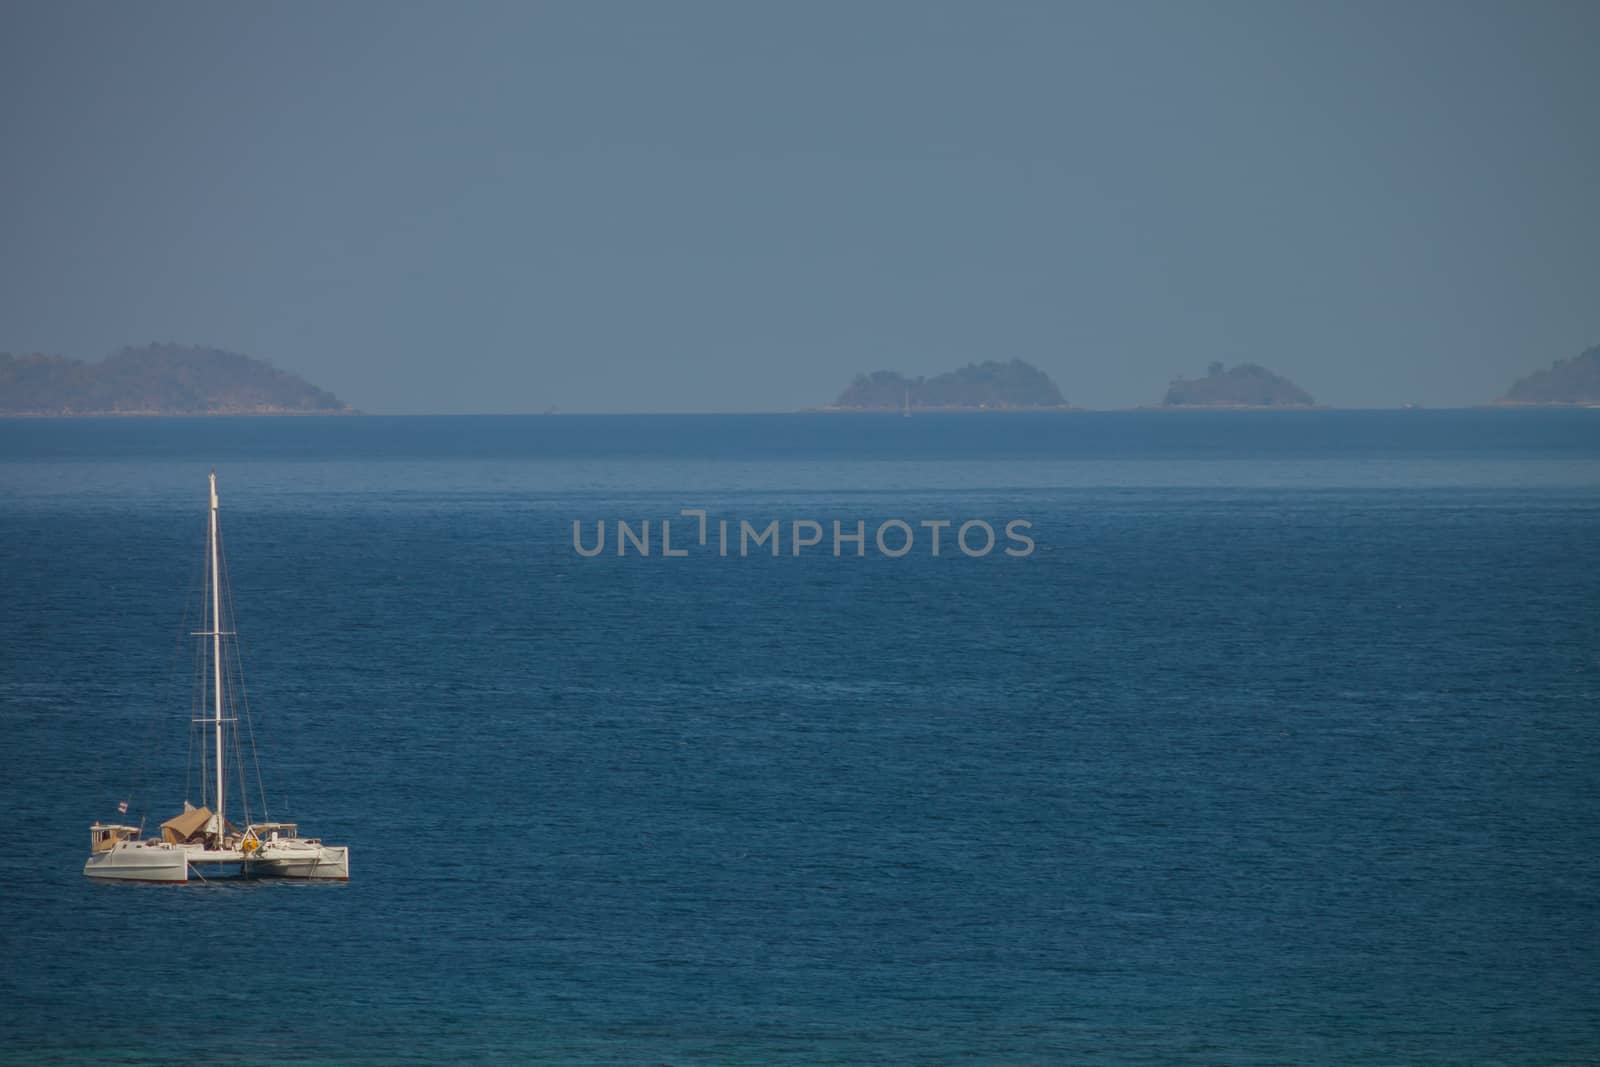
(273, 831)
(104, 836)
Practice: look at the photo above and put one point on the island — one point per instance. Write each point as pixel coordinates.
(1567, 382)
(1247, 385)
(158, 379)
(987, 386)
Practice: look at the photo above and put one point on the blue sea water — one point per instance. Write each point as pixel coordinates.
(1281, 746)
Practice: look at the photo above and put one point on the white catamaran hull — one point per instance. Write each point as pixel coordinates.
(322, 862)
(140, 861)
(157, 861)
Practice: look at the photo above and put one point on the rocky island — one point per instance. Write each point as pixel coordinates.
(158, 379)
(1573, 381)
(987, 386)
(1247, 385)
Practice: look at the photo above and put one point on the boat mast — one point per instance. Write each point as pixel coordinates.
(216, 650)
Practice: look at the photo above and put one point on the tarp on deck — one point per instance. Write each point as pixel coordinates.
(179, 829)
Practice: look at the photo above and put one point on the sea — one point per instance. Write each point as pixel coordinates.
(1254, 737)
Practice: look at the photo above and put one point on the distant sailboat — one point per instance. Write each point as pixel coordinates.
(905, 412)
(201, 841)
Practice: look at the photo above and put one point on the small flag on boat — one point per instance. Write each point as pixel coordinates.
(122, 807)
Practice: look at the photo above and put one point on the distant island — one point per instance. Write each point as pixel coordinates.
(987, 386)
(1246, 385)
(158, 379)
(1567, 381)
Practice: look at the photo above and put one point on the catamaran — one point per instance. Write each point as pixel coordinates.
(200, 842)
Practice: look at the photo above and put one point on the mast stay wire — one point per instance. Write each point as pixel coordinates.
(144, 752)
(242, 699)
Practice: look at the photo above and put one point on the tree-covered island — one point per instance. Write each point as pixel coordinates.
(987, 386)
(1574, 381)
(158, 379)
(1247, 385)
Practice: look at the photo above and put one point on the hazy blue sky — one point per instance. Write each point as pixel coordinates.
(686, 206)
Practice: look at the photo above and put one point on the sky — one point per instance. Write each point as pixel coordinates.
(630, 207)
